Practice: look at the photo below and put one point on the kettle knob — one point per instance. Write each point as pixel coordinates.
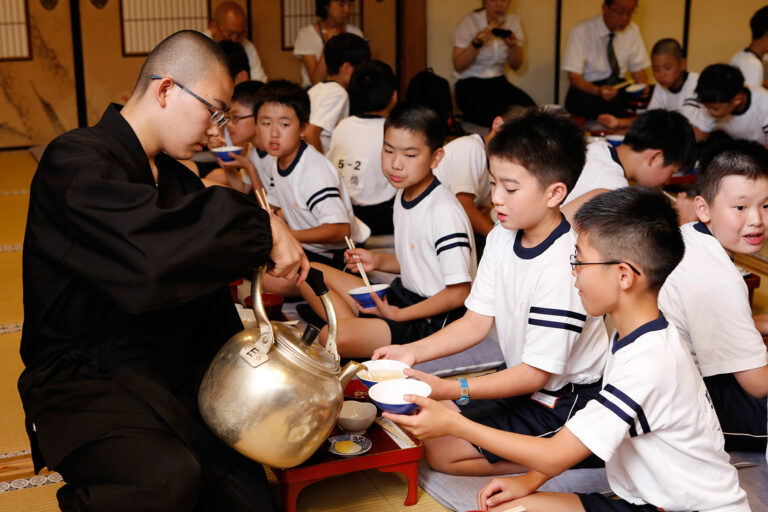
(310, 334)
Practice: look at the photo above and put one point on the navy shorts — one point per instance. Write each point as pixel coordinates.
(406, 332)
(524, 415)
(598, 503)
(742, 416)
(336, 260)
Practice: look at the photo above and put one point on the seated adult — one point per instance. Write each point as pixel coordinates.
(127, 260)
(597, 56)
(229, 22)
(311, 39)
(483, 42)
(239, 67)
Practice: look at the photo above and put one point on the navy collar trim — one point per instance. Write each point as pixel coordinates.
(295, 162)
(654, 325)
(677, 90)
(369, 116)
(753, 53)
(413, 202)
(528, 253)
(702, 228)
(261, 153)
(615, 155)
(746, 107)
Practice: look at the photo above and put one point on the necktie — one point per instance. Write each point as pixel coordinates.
(612, 61)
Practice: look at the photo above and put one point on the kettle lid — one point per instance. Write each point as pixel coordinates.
(307, 351)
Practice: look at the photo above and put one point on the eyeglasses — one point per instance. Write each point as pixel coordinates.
(232, 35)
(218, 116)
(576, 263)
(623, 13)
(236, 119)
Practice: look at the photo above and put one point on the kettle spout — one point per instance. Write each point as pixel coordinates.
(349, 371)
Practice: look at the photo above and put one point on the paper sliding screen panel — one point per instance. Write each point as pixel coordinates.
(297, 14)
(14, 30)
(145, 23)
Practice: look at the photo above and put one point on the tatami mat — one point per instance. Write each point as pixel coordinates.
(14, 218)
(11, 310)
(35, 499)
(16, 170)
(12, 435)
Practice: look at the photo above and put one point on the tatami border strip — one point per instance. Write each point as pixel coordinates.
(11, 248)
(18, 192)
(5, 329)
(25, 483)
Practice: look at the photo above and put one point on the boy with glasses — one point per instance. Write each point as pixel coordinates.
(126, 299)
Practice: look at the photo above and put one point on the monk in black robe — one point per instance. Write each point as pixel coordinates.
(126, 263)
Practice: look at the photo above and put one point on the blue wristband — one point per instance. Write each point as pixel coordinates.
(464, 398)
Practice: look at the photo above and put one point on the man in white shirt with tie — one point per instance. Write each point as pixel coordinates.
(599, 52)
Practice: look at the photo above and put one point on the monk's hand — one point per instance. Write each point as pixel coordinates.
(608, 92)
(608, 120)
(287, 253)
(432, 421)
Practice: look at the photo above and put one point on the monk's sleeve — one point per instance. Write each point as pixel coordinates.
(111, 232)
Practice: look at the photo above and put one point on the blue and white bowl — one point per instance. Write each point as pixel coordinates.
(635, 89)
(223, 152)
(615, 140)
(363, 296)
(386, 365)
(388, 395)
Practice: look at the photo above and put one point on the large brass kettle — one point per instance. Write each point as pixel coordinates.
(273, 393)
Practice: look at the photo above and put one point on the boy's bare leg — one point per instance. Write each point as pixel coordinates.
(359, 337)
(338, 283)
(455, 456)
(544, 502)
(280, 286)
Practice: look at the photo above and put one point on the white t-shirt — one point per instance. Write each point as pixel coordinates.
(464, 169)
(752, 124)
(751, 66)
(257, 71)
(491, 58)
(707, 300)
(309, 42)
(263, 162)
(310, 193)
(602, 169)
(587, 50)
(538, 312)
(356, 152)
(434, 243)
(682, 101)
(654, 426)
(329, 104)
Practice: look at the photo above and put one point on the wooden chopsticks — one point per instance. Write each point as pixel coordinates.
(351, 245)
(261, 197)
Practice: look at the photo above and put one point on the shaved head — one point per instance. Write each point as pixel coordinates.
(187, 56)
(226, 9)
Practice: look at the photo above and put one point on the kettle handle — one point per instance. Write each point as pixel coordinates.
(317, 283)
(265, 327)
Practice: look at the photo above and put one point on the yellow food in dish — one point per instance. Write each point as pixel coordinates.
(347, 447)
(382, 375)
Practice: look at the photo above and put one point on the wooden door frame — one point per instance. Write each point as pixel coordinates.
(411, 40)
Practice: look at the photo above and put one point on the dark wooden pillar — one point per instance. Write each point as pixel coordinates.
(411, 40)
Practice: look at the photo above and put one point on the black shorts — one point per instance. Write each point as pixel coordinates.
(336, 260)
(524, 415)
(742, 416)
(412, 330)
(595, 502)
(378, 217)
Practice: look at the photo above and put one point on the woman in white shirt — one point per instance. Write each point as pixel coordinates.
(311, 39)
(483, 42)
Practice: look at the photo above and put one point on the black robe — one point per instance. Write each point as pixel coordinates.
(125, 291)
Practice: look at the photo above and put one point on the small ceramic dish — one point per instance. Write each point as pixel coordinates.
(349, 445)
(355, 417)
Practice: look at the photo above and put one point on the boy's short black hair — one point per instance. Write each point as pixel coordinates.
(238, 59)
(285, 93)
(343, 48)
(668, 46)
(246, 93)
(418, 119)
(730, 158)
(371, 87)
(549, 145)
(667, 131)
(759, 23)
(719, 83)
(636, 224)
